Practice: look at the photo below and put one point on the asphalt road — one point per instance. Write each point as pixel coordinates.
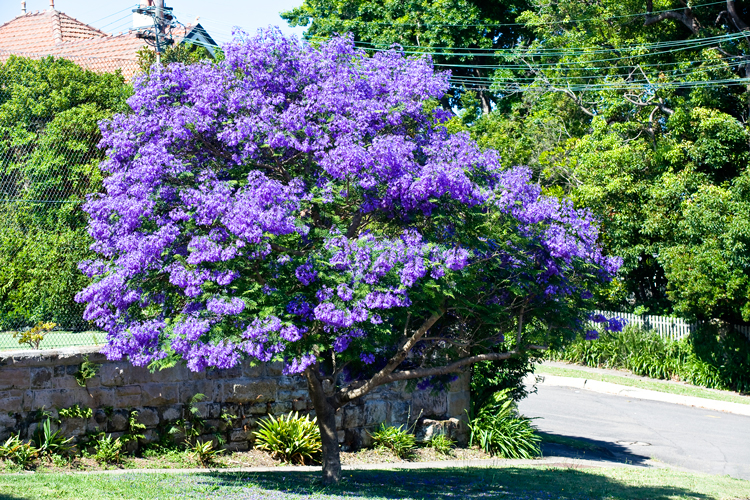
(637, 430)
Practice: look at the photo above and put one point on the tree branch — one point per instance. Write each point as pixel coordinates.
(686, 17)
(380, 378)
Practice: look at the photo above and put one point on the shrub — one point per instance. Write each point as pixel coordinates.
(441, 443)
(18, 452)
(203, 451)
(34, 336)
(107, 450)
(709, 357)
(401, 442)
(292, 438)
(48, 442)
(499, 430)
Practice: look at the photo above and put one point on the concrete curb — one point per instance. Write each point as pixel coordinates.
(636, 393)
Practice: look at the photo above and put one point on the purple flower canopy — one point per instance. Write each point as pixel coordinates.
(290, 198)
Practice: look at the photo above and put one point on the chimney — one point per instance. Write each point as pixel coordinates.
(51, 4)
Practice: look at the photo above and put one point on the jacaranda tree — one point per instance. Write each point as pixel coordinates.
(306, 204)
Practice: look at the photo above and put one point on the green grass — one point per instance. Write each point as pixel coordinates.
(654, 385)
(55, 339)
(511, 483)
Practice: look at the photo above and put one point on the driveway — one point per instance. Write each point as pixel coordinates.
(636, 430)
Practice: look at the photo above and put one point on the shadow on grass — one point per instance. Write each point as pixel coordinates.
(459, 483)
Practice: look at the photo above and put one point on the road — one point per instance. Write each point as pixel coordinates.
(637, 430)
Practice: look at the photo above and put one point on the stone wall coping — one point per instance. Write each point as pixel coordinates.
(48, 357)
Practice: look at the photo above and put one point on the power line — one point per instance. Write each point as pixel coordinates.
(490, 25)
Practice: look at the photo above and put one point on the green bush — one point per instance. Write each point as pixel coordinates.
(20, 453)
(489, 377)
(500, 431)
(441, 444)
(710, 357)
(396, 439)
(107, 450)
(290, 438)
(48, 442)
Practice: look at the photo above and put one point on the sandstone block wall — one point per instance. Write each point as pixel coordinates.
(235, 399)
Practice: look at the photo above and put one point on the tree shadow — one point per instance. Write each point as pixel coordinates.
(8, 496)
(568, 480)
(561, 445)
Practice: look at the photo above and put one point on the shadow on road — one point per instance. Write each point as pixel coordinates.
(443, 484)
(560, 445)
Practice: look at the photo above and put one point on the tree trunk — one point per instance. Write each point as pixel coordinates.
(326, 415)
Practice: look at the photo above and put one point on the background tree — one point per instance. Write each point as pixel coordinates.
(460, 35)
(309, 205)
(631, 109)
(49, 110)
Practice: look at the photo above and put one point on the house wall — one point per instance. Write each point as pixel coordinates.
(36, 380)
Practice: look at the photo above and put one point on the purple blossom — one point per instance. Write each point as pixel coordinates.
(592, 335)
(367, 358)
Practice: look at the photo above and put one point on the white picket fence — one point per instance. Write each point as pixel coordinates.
(666, 326)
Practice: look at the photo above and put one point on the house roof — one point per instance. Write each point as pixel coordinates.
(39, 32)
(52, 32)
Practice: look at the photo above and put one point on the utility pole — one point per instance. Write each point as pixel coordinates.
(158, 27)
(159, 33)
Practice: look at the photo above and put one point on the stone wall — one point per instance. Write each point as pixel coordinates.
(36, 380)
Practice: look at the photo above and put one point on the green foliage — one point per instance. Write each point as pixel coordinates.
(185, 53)
(34, 336)
(421, 26)
(396, 439)
(489, 377)
(442, 444)
(108, 450)
(75, 411)
(86, 371)
(49, 114)
(710, 357)
(499, 430)
(48, 442)
(290, 438)
(192, 425)
(203, 451)
(135, 429)
(18, 452)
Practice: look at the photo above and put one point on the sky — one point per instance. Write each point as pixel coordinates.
(218, 17)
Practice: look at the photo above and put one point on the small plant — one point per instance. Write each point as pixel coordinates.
(441, 444)
(86, 371)
(401, 442)
(10, 446)
(75, 411)
(290, 438)
(203, 451)
(135, 429)
(48, 442)
(59, 461)
(499, 430)
(107, 450)
(34, 336)
(20, 453)
(192, 425)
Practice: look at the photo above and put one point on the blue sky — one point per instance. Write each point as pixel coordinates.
(218, 17)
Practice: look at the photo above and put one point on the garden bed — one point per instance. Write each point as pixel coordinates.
(179, 459)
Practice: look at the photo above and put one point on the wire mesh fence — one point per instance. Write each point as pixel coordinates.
(49, 114)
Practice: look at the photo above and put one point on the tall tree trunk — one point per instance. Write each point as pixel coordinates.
(326, 414)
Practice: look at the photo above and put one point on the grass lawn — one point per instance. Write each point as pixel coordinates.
(55, 339)
(467, 483)
(654, 385)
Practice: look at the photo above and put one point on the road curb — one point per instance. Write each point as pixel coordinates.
(636, 393)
